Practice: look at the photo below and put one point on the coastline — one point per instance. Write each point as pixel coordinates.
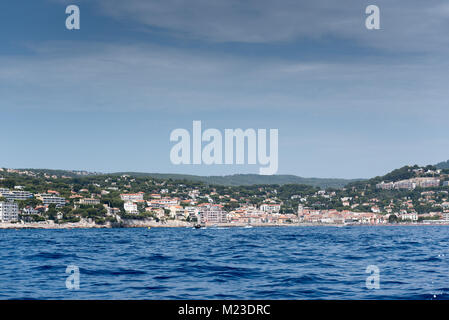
(183, 224)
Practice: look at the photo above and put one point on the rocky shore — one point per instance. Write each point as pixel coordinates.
(173, 224)
(86, 225)
(128, 224)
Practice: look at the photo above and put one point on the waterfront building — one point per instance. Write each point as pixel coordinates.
(9, 211)
(111, 211)
(212, 214)
(130, 207)
(177, 212)
(192, 211)
(159, 212)
(409, 216)
(28, 210)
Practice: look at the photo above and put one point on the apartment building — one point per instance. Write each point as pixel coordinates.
(163, 203)
(130, 207)
(270, 208)
(409, 216)
(9, 212)
(28, 210)
(211, 214)
(410, 184)
(48, 199)
(16, 195)
(111, 211)
(4, 190)
(89, 201)
(427, 182)
(132, 196)
(385, 186)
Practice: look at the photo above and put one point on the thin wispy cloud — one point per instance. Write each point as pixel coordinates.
(406, 25)
(114, 77)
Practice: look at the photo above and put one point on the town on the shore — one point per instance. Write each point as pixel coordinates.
(51, 198)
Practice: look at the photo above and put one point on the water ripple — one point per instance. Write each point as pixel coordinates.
(226, 263)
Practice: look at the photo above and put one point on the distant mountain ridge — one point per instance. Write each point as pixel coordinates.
(248, 179)
(228, 180)
(443, 165)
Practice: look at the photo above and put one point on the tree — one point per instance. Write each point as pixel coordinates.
(393, 219)
(52, 212)
(8, 183)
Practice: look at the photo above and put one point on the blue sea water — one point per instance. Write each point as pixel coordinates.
(226, 263)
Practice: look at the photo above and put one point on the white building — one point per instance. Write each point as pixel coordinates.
(17, 195)
(130, 207)
(3, 190)
(48, 199)
(192, 211)
(111, 211)
(163, 203)
(89, 201)
(178, 212)
(29, 211)
(427, 182)
(405, 184)
(213, 214)
(132, 196)
(9, 211)
(409, 216)
(270, 208)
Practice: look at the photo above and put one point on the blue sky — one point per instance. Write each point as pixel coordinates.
(348, 102)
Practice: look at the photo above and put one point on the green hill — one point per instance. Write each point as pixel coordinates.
(229, 180)
(248, 179)
(443, 165)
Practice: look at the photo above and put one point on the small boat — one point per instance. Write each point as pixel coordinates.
(197, 226)
(248, 226)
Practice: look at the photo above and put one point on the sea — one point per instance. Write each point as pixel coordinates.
(343, 263)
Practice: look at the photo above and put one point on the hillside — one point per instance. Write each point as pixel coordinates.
(443, 165)
(404, 173)
(408, 190)
(248, 179)
(229, 180)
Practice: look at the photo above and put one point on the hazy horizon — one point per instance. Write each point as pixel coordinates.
(206, 175)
